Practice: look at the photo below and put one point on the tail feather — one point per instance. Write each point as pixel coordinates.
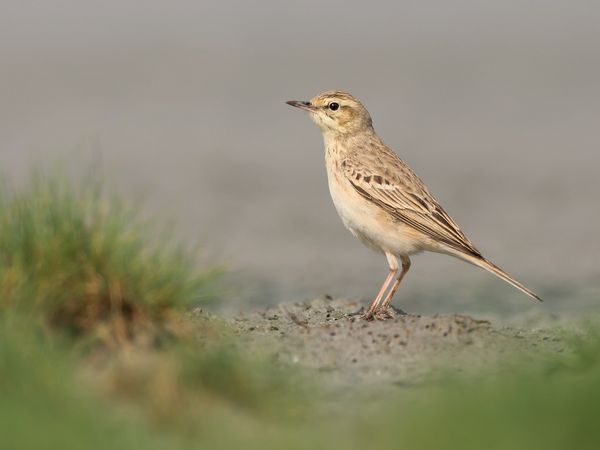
(490, 267)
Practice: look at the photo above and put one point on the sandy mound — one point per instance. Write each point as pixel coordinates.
(326, 336)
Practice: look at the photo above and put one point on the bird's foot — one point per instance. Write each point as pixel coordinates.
(388, 312)
(377, 314)
(361, 314)
(368, 316)
(383, 314)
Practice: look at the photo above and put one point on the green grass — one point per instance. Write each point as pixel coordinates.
(184, 396)
(217, 403)
(77, 264)
(43, 404)
(81, 259)
(554, 407)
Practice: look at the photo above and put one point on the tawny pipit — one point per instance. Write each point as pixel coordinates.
(381, 200)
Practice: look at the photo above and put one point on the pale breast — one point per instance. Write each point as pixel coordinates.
(368, 222)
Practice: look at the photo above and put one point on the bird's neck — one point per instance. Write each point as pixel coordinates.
(342, 143)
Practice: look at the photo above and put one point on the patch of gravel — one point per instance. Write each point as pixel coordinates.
(326, 338)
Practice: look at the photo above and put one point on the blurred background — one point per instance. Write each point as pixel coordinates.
(495, 105)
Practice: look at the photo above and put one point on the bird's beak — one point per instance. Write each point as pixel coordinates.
(302, 105)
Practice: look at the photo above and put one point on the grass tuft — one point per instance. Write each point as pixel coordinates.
(82, 260)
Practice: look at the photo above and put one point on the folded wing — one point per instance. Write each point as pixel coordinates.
(403, 195)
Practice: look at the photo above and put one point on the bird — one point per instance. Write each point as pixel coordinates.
(383, 203)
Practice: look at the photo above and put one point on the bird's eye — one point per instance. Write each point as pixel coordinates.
(334, 106)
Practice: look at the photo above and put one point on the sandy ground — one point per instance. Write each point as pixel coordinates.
(326, 338)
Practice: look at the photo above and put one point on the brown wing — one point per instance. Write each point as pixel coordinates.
(398, 190)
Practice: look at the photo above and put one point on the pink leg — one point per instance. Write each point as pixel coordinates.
(405, 267)
(393, 263)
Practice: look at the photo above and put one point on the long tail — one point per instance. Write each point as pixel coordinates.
(490, 267)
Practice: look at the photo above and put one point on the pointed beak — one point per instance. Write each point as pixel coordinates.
(302, 105)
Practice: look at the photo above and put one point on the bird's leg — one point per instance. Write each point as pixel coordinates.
(393, 263)
(405, 266)
(377, 300)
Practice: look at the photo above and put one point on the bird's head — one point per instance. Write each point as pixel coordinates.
(337, 113)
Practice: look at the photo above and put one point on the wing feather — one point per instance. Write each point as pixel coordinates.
(402, 194)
